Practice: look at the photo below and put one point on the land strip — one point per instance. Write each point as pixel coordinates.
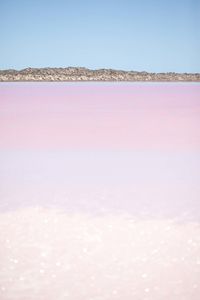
(84, 74)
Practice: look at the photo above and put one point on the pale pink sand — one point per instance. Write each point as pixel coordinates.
(46, 255)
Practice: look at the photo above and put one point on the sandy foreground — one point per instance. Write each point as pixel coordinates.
(50, 254)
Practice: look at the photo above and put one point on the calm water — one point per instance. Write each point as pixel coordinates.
(99, 191)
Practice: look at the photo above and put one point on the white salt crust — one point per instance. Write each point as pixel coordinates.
(47, 254)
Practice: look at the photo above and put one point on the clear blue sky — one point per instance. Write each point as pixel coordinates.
(151, 35)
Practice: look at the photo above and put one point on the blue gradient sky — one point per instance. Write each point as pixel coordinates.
(151, 35)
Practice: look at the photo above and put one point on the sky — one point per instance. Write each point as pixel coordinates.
(147, 35)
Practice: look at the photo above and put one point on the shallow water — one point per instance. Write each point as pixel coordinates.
(99, 189)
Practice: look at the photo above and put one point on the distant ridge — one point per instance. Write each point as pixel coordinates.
(84, 74)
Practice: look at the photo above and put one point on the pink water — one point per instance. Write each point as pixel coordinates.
(99, 191)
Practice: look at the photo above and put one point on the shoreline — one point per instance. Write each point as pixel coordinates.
(71, 74)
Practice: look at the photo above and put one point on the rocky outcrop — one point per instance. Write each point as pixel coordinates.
(83, 74)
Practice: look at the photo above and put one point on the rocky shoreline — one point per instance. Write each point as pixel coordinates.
(84, 74)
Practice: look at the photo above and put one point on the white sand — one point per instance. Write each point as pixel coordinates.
(46, 255)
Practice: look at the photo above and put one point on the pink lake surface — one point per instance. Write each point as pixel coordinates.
(99, 191)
